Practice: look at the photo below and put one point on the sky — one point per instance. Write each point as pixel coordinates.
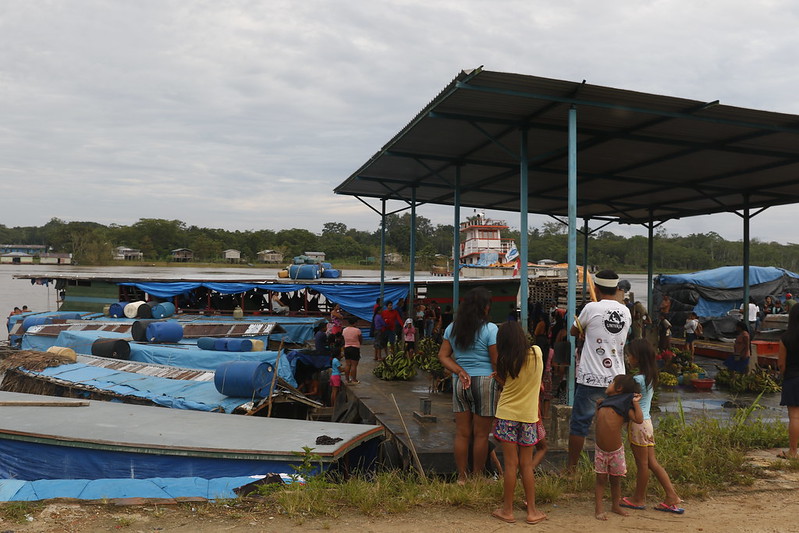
(245, 115)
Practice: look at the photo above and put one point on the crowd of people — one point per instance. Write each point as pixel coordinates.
(499, 384)
(502, 384)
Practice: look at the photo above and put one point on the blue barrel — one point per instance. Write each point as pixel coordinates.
(304, 271)
(244, 379)
(331, 273)
(232, 344)
(239, 345)
(117, 310)
(113, 348)
(35, 321)
(139, 330)
(164, 310)
(220, 345)
(206, 343)
(168, 331)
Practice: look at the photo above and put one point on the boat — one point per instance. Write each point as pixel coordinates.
(62, 438)
(483, 250)
(211, 299)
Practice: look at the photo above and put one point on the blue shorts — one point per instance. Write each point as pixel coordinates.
(584, 408)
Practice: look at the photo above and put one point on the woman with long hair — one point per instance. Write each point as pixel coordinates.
(788, 361)
(469, 351)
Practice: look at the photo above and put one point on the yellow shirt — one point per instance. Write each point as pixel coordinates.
(519, 398)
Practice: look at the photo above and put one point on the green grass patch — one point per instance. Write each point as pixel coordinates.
(701, 456)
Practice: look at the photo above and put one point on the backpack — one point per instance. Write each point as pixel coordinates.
(699, 331)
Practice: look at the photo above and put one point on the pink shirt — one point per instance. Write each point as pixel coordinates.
(352, 337)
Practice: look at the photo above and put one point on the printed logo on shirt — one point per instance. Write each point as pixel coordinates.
(614, 322)
(600, 351)
(607, 363)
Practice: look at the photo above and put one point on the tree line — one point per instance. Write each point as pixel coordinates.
(93, 243)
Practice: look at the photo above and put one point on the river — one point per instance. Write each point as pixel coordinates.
(19, 292)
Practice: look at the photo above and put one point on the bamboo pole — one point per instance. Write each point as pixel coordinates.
(410, 441)
(274, 379)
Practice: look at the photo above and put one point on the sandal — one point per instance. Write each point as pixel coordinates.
(665, 507)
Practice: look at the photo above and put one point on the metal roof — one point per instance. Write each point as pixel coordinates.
(640, 156)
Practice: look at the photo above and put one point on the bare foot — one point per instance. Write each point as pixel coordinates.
(618, 510)
(601, 516)
(501, 515)
(536, 517)
(461, 480)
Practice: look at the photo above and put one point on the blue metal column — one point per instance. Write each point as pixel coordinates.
(524, 281)
(456, 242)
(572, 251)
(411, 295)
(650, 269)
(746, 263)
(585, 261)
(382, 250)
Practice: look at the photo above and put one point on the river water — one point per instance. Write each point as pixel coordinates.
(19, 292)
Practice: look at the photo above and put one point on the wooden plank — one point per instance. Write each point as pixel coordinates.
(27, 403)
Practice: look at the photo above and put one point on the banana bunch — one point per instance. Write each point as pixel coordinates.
(395, 367)
(427, 357)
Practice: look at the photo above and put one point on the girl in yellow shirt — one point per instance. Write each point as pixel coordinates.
(517, 427)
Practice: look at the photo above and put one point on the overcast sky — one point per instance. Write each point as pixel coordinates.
(246, 114)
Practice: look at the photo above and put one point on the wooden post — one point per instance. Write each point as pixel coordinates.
(274, 379)
(410, 441)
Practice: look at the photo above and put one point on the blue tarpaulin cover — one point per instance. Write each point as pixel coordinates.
(729, 277)
(186, 355)
(14, 490)
(354, 298)
(166, 392)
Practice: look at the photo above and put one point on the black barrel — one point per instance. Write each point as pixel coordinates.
(144, 311)
(139, 330)
(112, 348)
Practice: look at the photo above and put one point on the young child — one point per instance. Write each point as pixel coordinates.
(409, 335)
(641, 355)
(335, 379)
(519, 369)
(620, 405)
(352, 350)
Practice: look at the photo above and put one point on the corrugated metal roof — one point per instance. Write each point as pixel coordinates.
(640, 156)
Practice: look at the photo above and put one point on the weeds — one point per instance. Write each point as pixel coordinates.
(19, 511)
(701, 456)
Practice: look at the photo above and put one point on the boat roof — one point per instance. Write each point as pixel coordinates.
(144, 429)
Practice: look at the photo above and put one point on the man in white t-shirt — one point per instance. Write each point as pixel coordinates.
(604, 326)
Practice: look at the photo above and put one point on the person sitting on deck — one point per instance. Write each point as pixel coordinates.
(277, 306)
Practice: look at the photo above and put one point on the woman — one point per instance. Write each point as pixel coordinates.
(788, 361)
(469, 351)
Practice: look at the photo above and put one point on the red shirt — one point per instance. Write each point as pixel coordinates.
(391, 317)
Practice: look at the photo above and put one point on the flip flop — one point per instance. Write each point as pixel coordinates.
(625, 502)
(665, 507)
(537, 520)
(783, 455)
(508, 520)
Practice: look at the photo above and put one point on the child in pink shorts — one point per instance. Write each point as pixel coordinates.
(612, 413)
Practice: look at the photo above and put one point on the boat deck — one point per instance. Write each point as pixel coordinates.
(124, 427)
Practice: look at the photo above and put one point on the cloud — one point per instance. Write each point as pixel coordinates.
(246, 114)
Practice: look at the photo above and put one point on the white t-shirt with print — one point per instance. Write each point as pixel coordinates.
(605, 324)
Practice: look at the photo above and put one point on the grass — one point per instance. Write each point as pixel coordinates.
(19, 511)
(702, 456)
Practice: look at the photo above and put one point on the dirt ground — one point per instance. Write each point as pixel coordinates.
(768, 506)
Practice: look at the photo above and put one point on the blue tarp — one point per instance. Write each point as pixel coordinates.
(185, 355)
(166, 392)
(34, 460)
(14, 490)
(729, 277)
(357, 299)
